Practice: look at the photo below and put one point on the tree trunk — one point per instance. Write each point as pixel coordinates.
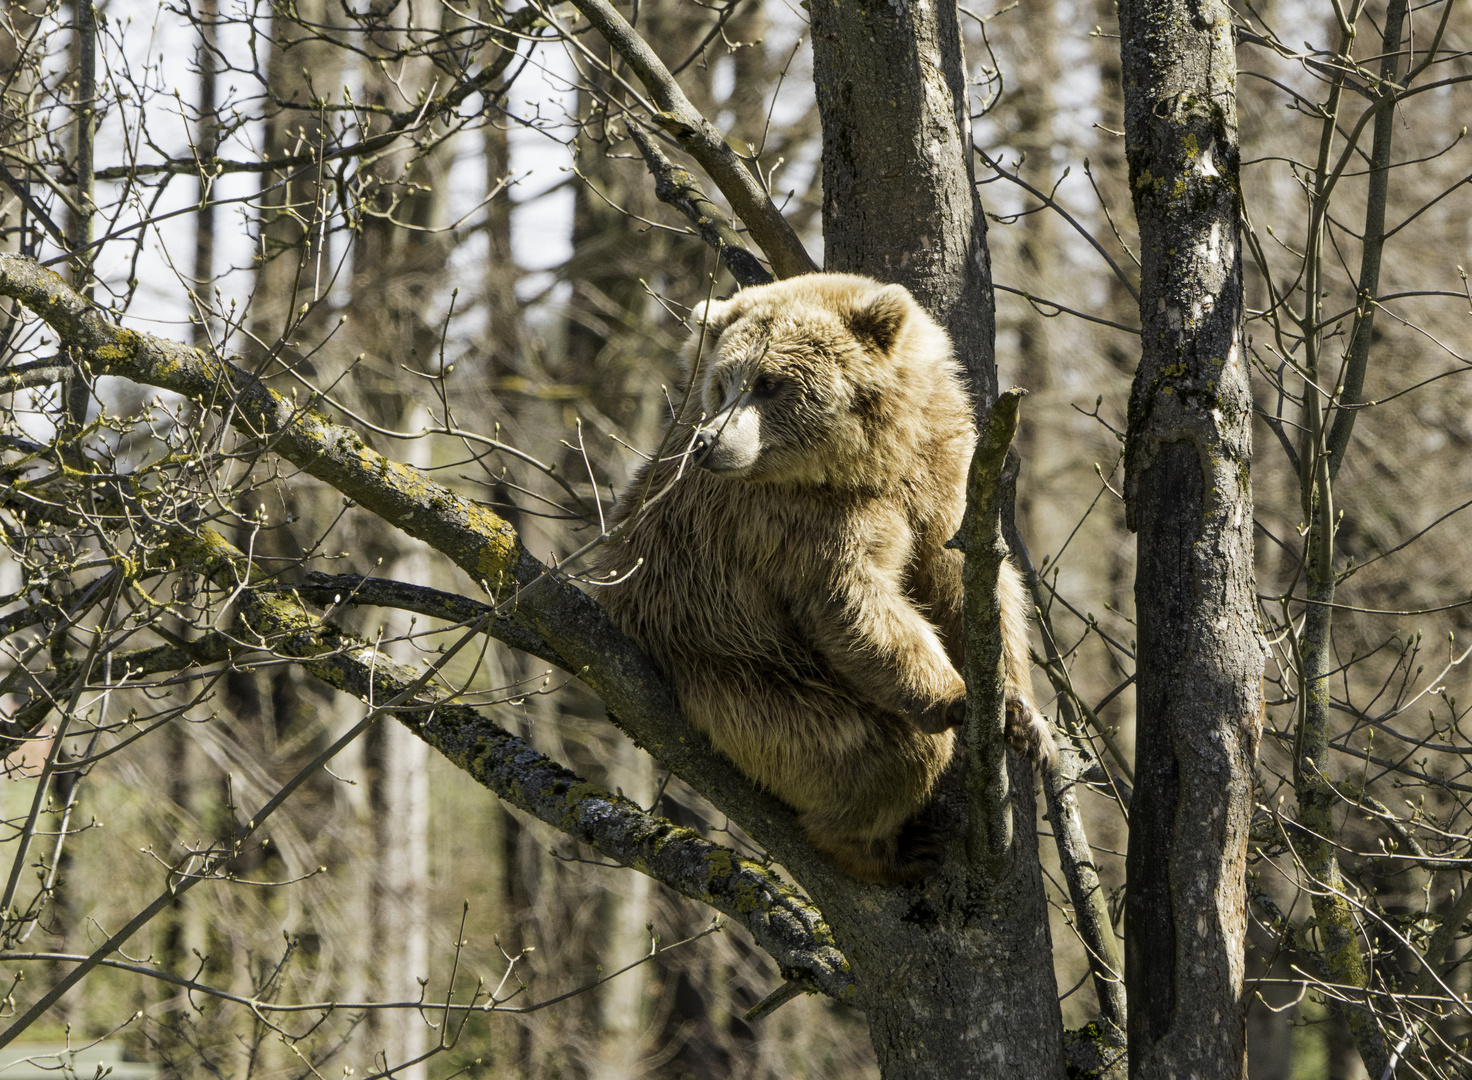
(397, 768)
(899, 198)
(1199, 664)
(956, 975)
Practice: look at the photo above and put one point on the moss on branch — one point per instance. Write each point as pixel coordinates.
(479, 541)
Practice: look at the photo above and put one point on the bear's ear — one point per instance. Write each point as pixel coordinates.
(879, 320)
(713, 315)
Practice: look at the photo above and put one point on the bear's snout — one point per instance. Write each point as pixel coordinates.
(730, 443)
(701, 446)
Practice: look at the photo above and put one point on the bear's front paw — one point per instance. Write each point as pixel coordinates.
(940, 716)
(1029, 734)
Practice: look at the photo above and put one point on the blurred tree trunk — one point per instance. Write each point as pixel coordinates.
(183, 931)
(284, 718)
(17, 128)
(397, 767)
(623, 1004)
(398, 269)
(1200, 657)
(508, 361)
(1032, 108)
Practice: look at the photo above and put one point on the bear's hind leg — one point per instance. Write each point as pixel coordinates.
(911, 853)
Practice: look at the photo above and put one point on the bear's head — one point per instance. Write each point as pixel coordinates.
(819, 379)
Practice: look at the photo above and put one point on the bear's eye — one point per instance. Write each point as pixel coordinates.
(765, 387)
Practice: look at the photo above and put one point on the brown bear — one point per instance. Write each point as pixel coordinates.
(786, 565)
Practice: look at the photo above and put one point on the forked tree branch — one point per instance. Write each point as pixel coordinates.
(699, 138)
(676, 187)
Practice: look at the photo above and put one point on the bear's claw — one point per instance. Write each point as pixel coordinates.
(1029, 734)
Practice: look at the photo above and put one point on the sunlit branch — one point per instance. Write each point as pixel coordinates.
(700, 139)
(675, 186)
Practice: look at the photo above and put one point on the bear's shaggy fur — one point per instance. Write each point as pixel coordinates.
(787, 570)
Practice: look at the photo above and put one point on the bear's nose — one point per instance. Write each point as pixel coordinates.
(705, 442)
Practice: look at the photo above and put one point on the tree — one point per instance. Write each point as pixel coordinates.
(170, 555)
(1187, 460)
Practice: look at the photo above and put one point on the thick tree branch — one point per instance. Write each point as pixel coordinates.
(781, 920)
(699, 138)
(355, 590)
(1357, 361)
(480, 542)
(675, 186)
(40, 373)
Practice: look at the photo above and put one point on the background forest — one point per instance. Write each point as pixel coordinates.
(439, 218)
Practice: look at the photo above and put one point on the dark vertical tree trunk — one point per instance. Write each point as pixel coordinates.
(899, 197)
(957, 974)
(1039, 257)
(1199, 653)
(207, 139)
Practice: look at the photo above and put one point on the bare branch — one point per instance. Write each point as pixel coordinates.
(700, 139)
(675, 186)
(989, 841)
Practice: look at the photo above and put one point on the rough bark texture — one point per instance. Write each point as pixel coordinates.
(899, 202)
(1199, 660)
(956, 974)
(989, 838)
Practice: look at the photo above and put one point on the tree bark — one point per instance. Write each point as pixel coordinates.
(1188, 496)
(955, 975)
(899, 197)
